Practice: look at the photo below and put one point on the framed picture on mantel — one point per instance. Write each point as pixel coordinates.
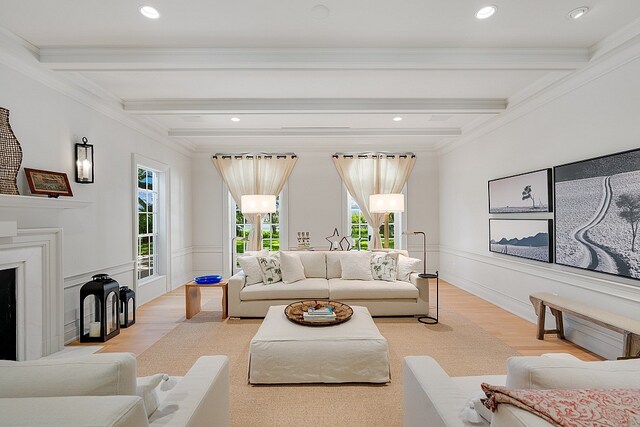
(523, 193)
(52, 184)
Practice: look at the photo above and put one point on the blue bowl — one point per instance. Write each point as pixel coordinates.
(208, 280)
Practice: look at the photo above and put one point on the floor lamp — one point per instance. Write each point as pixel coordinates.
(429, 320)
(258, 204)
(385, 203)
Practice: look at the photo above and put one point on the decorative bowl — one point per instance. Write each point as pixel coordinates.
(208, 280)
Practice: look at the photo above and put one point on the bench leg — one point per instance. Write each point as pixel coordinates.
(542, 311)
(631, 345)
(559, 324)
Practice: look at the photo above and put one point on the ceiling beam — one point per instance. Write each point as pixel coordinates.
(315, 105)
(126, 59)
(320, 131)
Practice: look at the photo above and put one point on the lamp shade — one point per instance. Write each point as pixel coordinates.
(258, 203)
(381, 203)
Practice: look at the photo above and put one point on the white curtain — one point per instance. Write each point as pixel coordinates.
(260, 173)
(367, 174)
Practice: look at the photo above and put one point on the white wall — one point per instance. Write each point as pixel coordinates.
(597, 118)
(97, 238)
(314, 198)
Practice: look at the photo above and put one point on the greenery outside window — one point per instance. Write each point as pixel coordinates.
(147, 222)
(361, 232)
(270, 229)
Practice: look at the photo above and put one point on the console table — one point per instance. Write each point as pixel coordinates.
(192, 297)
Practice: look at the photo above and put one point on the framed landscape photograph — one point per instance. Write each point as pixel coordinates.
(522, 238)
(597, 214)
(523, 193)
(53, 184)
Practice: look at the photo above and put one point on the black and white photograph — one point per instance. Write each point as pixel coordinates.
(523, 238)
(597, 214)
(523, 193)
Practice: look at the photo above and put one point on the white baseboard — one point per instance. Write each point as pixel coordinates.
(601, 341)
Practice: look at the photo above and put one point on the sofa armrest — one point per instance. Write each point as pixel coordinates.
(422, 285)
(201, 397)
(94, 375)
(234, 286)
(96, 411)
(430, 397)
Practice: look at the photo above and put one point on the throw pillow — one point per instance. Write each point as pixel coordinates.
(384, 266)
(356, 266)
(251, 268)
(314, 263)
(292, 268)
(146, 389)
(406, 266)
(270, 268)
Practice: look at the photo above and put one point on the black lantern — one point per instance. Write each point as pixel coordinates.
(84, 162)
(105, 322)
(127, 307)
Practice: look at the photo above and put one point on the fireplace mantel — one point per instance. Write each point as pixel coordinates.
(22, 202)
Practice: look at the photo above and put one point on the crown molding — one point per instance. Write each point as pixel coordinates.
(315, 146)
(311, 132)
(316, 105)
(22, 57)
(122, 59)
(602, 64)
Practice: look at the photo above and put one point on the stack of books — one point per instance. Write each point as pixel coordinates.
(323, 314)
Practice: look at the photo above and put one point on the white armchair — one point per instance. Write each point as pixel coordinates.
(99, 390)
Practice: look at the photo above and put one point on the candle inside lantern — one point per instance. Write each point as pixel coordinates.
(94, 329)
(86, 169)
(122, 318)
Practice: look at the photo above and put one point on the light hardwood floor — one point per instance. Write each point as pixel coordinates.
(158, 317)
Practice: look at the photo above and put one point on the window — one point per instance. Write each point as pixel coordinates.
(270, 229)
(147, 222)
(360, 231)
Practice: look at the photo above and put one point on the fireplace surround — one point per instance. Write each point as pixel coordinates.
(35, 256)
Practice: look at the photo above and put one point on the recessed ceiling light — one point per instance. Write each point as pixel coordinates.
(235, 119)
(578, 12)
(486, 12)
(397, 119)
(150, 12)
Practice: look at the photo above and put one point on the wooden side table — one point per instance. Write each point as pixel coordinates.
(192, 297)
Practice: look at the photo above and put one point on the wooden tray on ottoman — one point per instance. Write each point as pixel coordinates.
(294, 312)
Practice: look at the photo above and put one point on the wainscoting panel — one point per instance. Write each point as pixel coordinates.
(508, 284)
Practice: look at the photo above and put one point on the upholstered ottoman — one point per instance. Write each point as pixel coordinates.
(284, 352)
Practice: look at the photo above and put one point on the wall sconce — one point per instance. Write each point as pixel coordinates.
(84, 162)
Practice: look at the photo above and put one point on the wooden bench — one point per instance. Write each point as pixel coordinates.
(629, 328)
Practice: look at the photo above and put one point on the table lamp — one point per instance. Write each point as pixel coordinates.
(385, 203)
(258, 204)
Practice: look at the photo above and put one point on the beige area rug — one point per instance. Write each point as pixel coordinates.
(461, 347)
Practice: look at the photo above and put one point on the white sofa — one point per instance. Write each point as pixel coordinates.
(432, 398)
(323, 272)
(100, 390)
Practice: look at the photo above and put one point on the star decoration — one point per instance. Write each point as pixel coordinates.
(348, 241)
(334, 239)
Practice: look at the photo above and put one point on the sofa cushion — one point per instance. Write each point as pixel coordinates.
(384, 266)
(94, 375)
(334, 270)
(340, 289)
(303, 289)
(314, 263)
(270, 269)
(406, 266)
(251, 268)
(74, 411)
(292, 268)
(356, 266)
(545, 372)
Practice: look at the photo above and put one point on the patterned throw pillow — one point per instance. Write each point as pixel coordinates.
(271, 271)
(384, 266)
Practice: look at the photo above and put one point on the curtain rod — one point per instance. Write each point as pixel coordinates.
(375, 154)
(251, 155)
